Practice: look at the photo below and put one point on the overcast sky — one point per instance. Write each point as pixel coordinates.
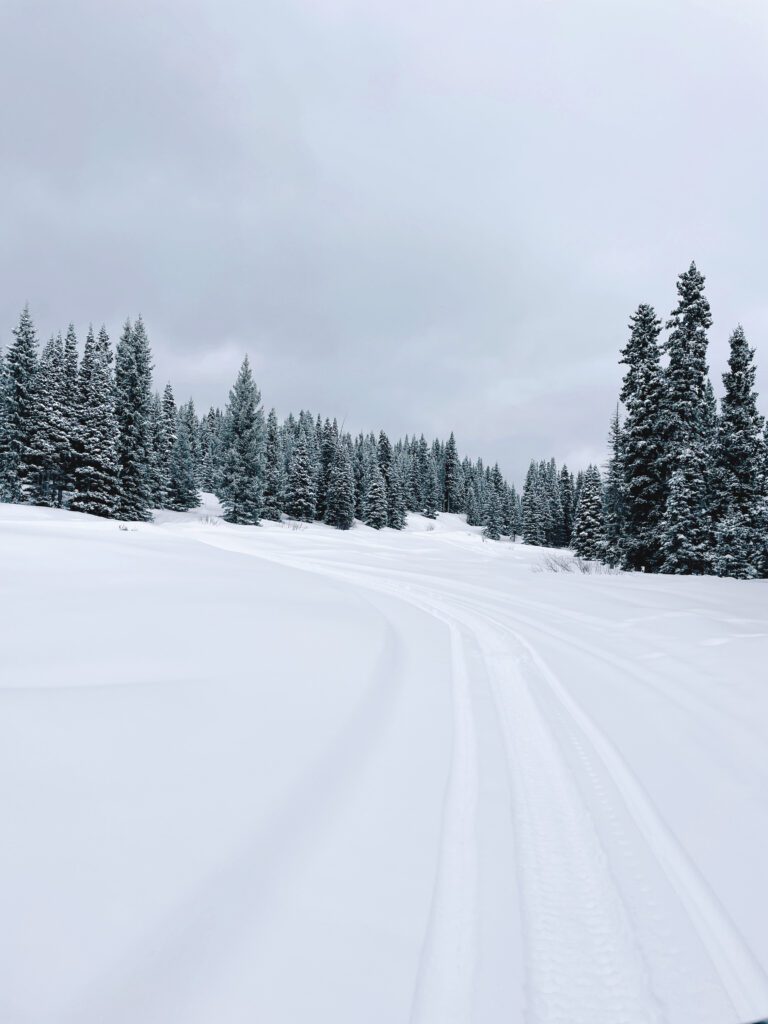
(415, 216)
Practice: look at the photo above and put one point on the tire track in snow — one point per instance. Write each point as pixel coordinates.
(444, 984)
(735, 974)
(584, 966)
(586, 962)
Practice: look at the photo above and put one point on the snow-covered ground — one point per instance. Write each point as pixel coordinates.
(288, 775)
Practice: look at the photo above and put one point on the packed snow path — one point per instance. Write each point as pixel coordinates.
(582, 817)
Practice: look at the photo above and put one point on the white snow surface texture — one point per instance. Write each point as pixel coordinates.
(280, 775)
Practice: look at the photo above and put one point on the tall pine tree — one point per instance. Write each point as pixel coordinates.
(97, 487)
(133, 388)
(740, 533)
(643, 443)
(17, 417)
(589, 529)
(241, 481)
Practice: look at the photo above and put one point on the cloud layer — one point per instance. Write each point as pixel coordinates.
(425, 216)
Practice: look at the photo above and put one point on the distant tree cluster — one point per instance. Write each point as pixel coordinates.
(686, 485)
(89, 433)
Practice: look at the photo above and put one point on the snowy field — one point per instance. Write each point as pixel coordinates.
(287, 775)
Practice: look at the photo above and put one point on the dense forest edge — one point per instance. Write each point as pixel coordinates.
(684, 489)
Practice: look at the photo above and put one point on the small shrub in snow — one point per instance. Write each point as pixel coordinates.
(557, 563)
(590, 567)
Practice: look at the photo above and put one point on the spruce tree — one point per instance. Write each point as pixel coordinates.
(453, 498)
(643, 456)
(614, 496)
(340, 504)
(567, 502)
(17, 417)
(133, 388)
(301, 495)
(329, 440)
(550, 482)
(740, 532)
(588, 539)
(69, 401)
(242, 467)
(384, 457)
(473, 507)
(97, 487)
(396, 507)
(158, 480)
(181, 493)
(431, 493)
(426, 472)
(685, 379)
(212, 441)
(50, 443)
(166, 439)
(273, 471)
(685, 528)
(375, 504)
(534, 530)
(493, 522)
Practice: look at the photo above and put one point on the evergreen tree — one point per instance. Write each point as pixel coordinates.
(301, 495)
(50, 444)
(340, 506)
(69, 403)
(614, 496)
(181, 494)
(133, 388)
(453, 499)
(736, 554)
(396, 498)
(685, 529)
(688, 419)
(740, 536)
(426, 473)
(644, 463)
(493, 523)
(329, 441)
(550, 483)
(17, 418)
(685, 379)
(273, 472)
(384, 458)
(589, 528)
(473, 507)
(212, 441)
(534, 528)
(375, 506)
(167, 432)
(242, 469)
(97, 487)
(567, 502)
(158, 481)
(431, 494)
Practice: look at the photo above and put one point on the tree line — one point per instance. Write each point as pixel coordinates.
(685, 488)
(88, 432)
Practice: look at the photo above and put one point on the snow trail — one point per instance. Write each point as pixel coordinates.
(444, 985)
(427, 785)
(593, 952)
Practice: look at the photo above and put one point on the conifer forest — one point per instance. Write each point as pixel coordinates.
(684, 488)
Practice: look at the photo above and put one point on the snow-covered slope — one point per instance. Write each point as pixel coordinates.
(285, 775)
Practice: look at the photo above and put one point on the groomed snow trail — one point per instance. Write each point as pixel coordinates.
(619, 927)
(400, 778)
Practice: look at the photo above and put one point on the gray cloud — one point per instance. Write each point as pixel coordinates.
(416, 216)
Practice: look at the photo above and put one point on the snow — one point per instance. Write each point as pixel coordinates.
(288, 774)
